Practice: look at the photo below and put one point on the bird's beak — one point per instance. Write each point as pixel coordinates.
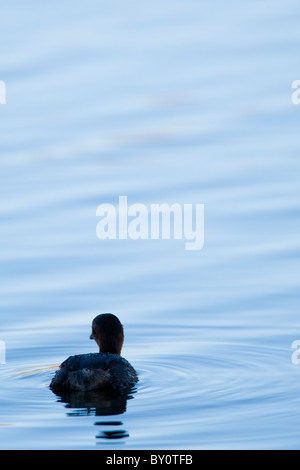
(91, 337)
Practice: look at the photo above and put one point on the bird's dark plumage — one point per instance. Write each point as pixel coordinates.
(92, 372)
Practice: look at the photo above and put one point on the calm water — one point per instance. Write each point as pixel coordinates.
(186, 102)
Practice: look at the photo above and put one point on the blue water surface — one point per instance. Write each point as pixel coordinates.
(163, 102)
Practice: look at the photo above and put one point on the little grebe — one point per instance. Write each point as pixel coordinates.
(105, 370)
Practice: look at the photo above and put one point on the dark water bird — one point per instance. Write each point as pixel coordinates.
(104, 371)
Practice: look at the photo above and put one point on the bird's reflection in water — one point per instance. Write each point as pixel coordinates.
(100, 404)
